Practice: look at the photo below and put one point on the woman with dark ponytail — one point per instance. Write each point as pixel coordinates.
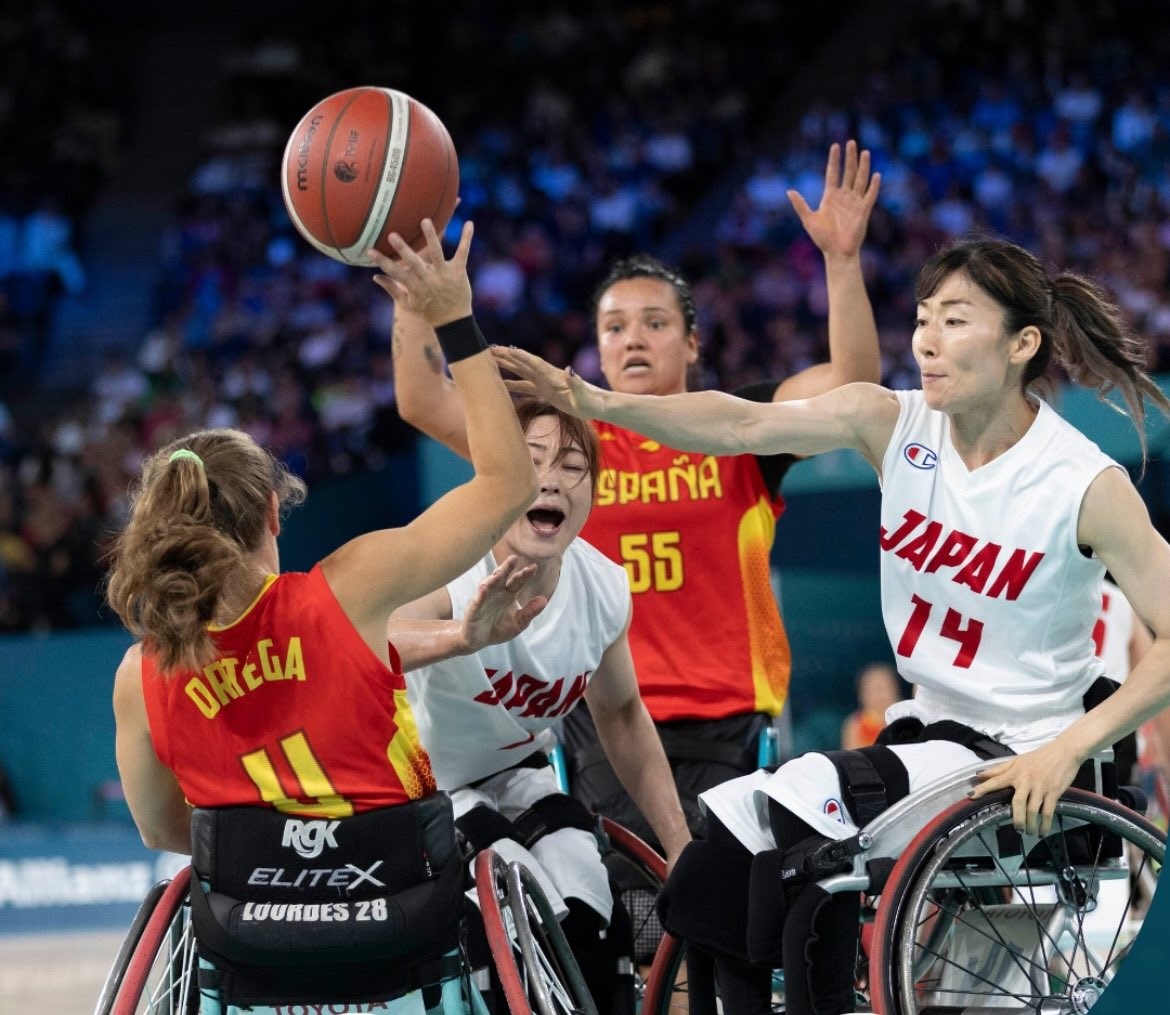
(998, 522)
(251, 687)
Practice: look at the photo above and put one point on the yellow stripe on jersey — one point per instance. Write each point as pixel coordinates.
(405, 752)
(769, 647)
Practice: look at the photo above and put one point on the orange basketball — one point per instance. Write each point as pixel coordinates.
(364, 163)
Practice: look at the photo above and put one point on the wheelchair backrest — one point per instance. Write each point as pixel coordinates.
(329, 905)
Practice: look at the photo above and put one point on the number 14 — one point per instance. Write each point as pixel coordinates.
(968, 637)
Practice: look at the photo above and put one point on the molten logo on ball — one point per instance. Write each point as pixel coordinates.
(303, 154)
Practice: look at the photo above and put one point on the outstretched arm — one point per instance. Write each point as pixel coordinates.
(837, 227)
(859, 416)
(375, 573)
(1116, 524)
(631, 744)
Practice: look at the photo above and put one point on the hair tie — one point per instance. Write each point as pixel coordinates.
(186, 453)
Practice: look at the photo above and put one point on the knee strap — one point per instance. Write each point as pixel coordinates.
(480, 827)
(549, 814)
(820, 952)
(767, 907)
(705, 899)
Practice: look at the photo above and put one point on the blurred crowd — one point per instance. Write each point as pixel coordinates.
(583, 137)
(61, 117)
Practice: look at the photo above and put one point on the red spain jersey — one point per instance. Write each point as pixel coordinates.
(295, 712)
(694, 533)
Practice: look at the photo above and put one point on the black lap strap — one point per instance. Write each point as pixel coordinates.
(910, 730)
(549, 814)
(871, 780)
(479, 827)
(974, 740)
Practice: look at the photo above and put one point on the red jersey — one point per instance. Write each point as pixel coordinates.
(295, 712)
(695, 534)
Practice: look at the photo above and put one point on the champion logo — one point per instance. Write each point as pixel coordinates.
(834, 810)
(920, 456)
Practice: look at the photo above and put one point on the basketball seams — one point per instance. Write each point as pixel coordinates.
(289, 204)
(324, 187)
(387, 192)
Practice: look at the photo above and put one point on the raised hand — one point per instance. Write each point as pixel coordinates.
(559, 387)
(427, 284)
(495, 614)
(838, 224)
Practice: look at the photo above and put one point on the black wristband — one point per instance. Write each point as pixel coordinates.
(460, 339)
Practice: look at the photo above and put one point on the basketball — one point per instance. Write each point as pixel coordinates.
(366, 162)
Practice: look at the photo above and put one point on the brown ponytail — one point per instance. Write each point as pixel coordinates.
(1099, 352)
(198, 510)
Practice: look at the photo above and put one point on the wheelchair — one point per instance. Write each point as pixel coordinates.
(970, 916)
(157, 967)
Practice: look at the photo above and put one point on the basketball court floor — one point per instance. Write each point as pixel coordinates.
(55, 974)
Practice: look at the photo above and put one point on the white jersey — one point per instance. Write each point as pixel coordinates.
(480, 714)
(1113, 631)
(988, 601)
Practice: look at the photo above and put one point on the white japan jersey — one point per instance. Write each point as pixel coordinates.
(480, 714)
(1113, 631)
(988, 601)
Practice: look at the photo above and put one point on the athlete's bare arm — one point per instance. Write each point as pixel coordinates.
(858, 416)
(1115, 523)
(631, 744)
(837, 227)
(156, 802)
(427, 398)
(423, 631)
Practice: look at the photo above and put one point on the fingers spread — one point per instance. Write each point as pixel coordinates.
(833, 166)
(799, 204)
(459, 258)
(861, 179)
(407, 254)
(850, 177)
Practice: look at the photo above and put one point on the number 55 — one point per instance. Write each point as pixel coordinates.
(652, 560)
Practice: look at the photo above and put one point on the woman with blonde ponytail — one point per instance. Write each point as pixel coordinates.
(251, 687)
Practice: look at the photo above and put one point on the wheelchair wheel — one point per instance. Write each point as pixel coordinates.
(976, 916)
(154, 972)
(533, 960)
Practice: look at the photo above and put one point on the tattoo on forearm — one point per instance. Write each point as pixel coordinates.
(434, 358)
